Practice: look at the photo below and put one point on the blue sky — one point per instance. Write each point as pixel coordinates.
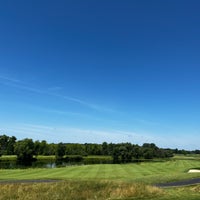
(105, 70)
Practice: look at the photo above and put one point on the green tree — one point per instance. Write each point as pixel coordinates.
(60, 150)
(10, 146)
(7, 145)
(125, 150)
(51, 149)
(75, 149)
(37, 147)
(104, 148)
(115, 155)
(148, 153)
(24, 149)
(137, 152)
(3, 144)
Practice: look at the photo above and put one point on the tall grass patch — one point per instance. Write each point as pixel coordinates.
(85, 190)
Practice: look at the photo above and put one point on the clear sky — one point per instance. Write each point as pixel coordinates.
(103, 70)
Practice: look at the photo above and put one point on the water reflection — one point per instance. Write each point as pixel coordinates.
(31, 164)
(52, 163)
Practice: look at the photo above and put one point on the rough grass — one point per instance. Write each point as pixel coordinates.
(95, 190)
(78, 191)
(181, 193)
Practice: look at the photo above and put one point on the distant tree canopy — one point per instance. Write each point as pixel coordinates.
(121, 153)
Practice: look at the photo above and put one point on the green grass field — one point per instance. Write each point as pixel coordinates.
(148, 172)
(123, 181)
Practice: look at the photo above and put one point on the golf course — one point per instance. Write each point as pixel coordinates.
(100, 100)
(102, 181)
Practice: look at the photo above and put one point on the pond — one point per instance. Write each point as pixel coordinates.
(35, 164)
(52, 163)
(68, 161)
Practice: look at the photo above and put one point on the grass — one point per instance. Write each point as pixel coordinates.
(181, 193)
(8, 158)
(187, 157)
(151, 172)
(95, 190)
(107, 181)
(78, 191)
(40, 157)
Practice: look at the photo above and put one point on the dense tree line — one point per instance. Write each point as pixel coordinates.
(121, 153)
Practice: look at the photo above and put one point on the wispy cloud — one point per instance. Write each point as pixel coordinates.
(70, 134)
(82, 135)
(9, 79)
(51, 92)
(56, 111)
(54, 88)
(147, 122)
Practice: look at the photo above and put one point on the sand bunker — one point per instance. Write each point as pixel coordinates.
(194, 171)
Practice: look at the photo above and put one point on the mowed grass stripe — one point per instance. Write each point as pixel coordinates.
(192, 164)
(63, 173)
(131, 171)
(134, 170)
(91, 172)
(21, 174)
(162, 171)
(112, 172)
(145, 169)
(101, 172)
(82, 171)
(154, 169)
(127, 172)
(45, 174)
(77, 172)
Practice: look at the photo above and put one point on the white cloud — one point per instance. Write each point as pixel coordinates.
(9, 79)
(56, 111)
(79, 135)
(51, 92)
(69, 134)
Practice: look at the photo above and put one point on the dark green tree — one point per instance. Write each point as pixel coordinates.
(3, 144)
(51, 149)
(24, 149)
(7, 145)
(115, 155)
(137, 152)
(75, 149)
(60, 150)
(148, 153)
(10, 145)
(104, 148)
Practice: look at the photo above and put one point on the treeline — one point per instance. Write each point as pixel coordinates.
(121, 153)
